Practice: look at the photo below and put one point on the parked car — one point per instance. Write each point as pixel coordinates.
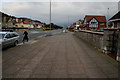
(9, 39)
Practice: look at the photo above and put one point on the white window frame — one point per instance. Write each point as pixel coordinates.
(93, 25)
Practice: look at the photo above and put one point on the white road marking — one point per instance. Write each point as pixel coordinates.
(33, 42)
(41, 36)
(56, 33)
(35, 32)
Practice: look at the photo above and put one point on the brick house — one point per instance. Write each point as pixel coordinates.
(94, 22)
(115, 21)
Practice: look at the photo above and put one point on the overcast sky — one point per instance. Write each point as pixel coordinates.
(64, 12)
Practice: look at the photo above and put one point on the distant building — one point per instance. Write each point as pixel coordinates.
(81, 27)
(11, 22)
(24, 23)
(40, 25)
(79, 24)
(37, 24)
(94, 22)
(74, 25)
(19, 23)
(115, 21)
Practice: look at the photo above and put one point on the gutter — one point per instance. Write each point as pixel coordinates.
(114, 20)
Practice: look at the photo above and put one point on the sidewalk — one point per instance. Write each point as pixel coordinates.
(59, 56)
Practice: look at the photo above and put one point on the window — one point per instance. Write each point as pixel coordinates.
(101, 23)
(8, 36)
(2, 36)
(118, 25)
(93, 22)
(14, 35)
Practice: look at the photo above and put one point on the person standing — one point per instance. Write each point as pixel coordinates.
(25, 36)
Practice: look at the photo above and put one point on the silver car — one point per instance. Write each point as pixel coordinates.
(9, 39)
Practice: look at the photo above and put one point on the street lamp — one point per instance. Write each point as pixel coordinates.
(50, 17)
(108, 18)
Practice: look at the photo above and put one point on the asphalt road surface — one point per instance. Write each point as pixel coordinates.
(32, 34)
(57, 56)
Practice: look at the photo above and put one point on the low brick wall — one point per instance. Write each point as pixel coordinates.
(94, 38)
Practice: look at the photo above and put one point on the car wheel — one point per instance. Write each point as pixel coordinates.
(15, 43)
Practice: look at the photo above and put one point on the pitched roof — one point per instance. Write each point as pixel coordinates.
(98, 18)
(81, 21)
(116, 16)
(26, 22)
(40, 24)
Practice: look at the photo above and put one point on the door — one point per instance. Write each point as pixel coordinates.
(7, 40)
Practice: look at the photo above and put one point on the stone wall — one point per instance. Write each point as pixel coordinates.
(94, 38)
(118, 53)
(110, 40)
(106, 41)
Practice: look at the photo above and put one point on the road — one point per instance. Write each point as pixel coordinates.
(34, 34)
(57, 56)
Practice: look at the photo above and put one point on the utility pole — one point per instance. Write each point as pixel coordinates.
(68, 20)
(50, 17)
(108, 17)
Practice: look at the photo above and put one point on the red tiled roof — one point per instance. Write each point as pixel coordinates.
(40, 24)
(74, 23)
(81, 21)
(99, 18)
(26, 22)
(84, 25)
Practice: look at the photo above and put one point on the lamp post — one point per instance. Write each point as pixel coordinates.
(50, 17)
(108, 18)
(68, 20)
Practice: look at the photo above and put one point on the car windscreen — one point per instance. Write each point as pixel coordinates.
(2, 36)
(14, 35)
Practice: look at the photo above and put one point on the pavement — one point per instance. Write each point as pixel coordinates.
(58, 56)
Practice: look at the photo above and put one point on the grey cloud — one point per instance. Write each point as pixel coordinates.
(61, 11)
